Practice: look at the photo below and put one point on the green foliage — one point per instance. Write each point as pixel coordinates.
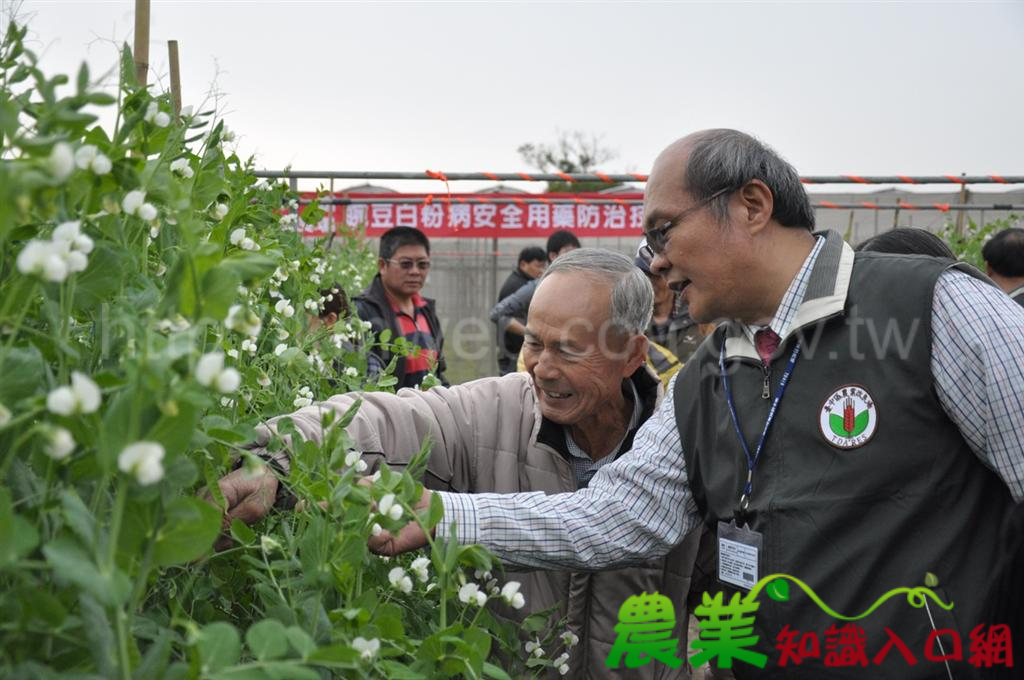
(968, 244)
(156, 305)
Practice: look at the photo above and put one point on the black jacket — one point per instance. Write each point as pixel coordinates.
(372, 305)
(509, 344)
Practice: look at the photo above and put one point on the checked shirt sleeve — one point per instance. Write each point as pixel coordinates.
(978, 367)
(634, 509)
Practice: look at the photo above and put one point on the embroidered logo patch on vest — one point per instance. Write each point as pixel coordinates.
(848, 418)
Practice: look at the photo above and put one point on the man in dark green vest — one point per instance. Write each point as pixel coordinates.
(857, 423)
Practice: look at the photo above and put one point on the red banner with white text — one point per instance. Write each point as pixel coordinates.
(481, 216)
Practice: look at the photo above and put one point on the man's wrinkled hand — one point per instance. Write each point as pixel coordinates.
(411, 537)
(249, 496)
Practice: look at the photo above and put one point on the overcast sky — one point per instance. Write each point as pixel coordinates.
(894, 88)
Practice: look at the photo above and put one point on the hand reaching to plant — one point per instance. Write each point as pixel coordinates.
(249, 496)
(411, 537)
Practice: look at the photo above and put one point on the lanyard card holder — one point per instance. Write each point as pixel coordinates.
(739, 554)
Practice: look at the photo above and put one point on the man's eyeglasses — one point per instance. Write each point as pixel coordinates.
(657, 237)
(422, 265)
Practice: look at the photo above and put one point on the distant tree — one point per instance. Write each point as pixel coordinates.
(573, 151)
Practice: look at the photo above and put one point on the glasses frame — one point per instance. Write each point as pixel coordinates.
(422, 265)
(657, 238)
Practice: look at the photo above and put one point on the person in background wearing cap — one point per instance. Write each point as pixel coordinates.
(550, 429)
(671, 326)
(660, 358)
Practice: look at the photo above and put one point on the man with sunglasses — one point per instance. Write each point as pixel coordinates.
(393, 301)
(893, 461)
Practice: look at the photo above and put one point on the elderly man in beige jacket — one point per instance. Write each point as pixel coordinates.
(586, 392)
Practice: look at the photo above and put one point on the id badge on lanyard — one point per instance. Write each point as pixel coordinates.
(740, 547)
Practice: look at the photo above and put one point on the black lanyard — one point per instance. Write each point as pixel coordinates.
(752, 460)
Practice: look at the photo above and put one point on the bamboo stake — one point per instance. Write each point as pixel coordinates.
(172, 57)
(141, 41)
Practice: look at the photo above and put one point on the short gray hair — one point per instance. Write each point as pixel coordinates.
(728, 159)
(632, 293)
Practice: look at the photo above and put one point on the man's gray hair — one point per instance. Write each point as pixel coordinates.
(728, 159)
(632, 294)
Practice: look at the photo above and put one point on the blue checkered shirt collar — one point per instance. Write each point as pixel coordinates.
(793, 298)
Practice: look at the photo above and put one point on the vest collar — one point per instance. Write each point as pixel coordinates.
(1016, 291)
(825, 296)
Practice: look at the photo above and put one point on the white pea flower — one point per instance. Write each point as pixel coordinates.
(311, 306)
(510, 593)
(69, 234)
(227, 403)
(280, 349)
(210, 372)
(243, 320)
(83, 396)
(85, 155)
(289, 220)
(531, 645)
(389, 508)
(148, 212)
(399, 580)
(220, 210)
(563, 669)
(181, 167)
(61, 161)
(305, 397)
(539, 652)
(263, 380)
(5, 415)
(268, 544)
(419, 567)
(59, 443)
(248, 244)
(284, 308)
(157, 117)
(43, 259)
(233, 353)
(132, 201)
(376, 529)
(570, 639)
(562, 658)
(352, 457)
(236, 236)
(249, 345)
(186, 111)
(469, 594)
(351, 372)
(101, 165)
(227, 136)
(367, 648)
(282, 334)
(88, 157)
(143, 460)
